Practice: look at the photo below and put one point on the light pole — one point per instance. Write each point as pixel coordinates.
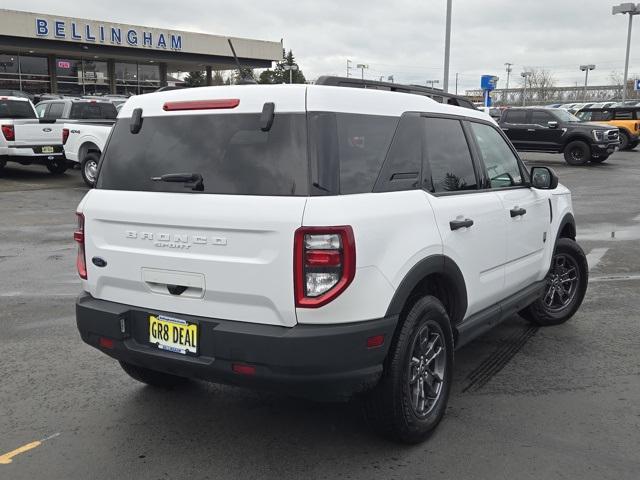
(348, 67)
(362, 66)
(447, 48)
(291, 69)
(632, 10)
(431, 83)
(525, 75)
(509, 70)
(585, 69)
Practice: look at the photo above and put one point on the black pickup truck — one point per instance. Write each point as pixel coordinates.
(556, 130)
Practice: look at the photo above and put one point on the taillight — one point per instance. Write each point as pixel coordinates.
(78, 236)
(9, 132)
(65, 135)
(324, 264)
(201, 104)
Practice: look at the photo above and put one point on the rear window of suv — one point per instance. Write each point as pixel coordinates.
(230, 151)
(93, 111)
(16, 109)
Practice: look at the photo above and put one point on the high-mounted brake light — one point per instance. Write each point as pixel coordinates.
(78, 236)
(9, 132)
(324, 264)
(201, 104)
(65, 135)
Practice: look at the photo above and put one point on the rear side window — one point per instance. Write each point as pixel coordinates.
(402, 169)
(623, 115)
(538, 117)
(515, 116)
(230, 151)
(502, 165)
(55, 110)
(448, 156)
(16, 109)
(355, 145)
(93, 111)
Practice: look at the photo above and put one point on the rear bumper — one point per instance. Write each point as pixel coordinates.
(325, 362)
(28, 154)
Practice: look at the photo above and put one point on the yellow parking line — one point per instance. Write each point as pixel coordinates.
(7, 457)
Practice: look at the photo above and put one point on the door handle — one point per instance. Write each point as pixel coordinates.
(517, 212)
(457, 224)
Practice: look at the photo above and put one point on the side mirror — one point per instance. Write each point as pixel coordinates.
(543, 178)
(552, 124)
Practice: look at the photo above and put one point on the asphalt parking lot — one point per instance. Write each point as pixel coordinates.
(527, 403)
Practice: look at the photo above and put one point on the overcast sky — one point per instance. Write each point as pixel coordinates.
(403, 38)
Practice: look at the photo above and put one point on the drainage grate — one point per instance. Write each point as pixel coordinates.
(495, 362)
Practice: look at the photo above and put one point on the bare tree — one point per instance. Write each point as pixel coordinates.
(539, 84)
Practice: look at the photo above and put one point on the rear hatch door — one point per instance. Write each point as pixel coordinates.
(223, 250)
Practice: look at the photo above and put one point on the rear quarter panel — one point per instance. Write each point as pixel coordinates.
(393, 231)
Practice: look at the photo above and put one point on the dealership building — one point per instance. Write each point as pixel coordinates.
(42, 53)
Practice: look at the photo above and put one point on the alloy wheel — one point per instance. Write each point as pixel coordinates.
(562, 282)
(426, 368)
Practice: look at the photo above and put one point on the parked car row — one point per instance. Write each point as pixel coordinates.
(554, 130)
(39, 135)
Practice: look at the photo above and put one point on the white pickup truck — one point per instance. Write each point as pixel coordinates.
(27, 140)
(83, 143)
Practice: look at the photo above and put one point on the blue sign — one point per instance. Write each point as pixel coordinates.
(488, 83)
(98, 33)
(636, 84)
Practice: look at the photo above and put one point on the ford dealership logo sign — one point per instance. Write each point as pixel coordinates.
(98, 33)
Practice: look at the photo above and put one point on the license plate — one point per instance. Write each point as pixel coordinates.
(173, 334)
(47, 150)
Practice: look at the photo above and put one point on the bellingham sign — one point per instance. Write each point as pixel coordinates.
(107, 34)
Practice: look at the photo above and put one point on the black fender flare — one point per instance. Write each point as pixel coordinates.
(439, 264)
(568, 219)
(578, 136)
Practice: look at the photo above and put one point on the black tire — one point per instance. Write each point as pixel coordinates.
(153, 377)
(633, 144)
(541, 312)
(3, 163)
(57, 167)
(577, 153)
(89, 168)
(391, 406)
(599, 159)
(624, 140)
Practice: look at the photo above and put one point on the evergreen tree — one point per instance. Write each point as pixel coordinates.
(245, 73)
(195, 79)
(280, 75)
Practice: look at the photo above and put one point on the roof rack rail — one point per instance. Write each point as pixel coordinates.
(436, 94)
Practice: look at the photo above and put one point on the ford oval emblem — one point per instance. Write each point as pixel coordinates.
(46, 129)
(99, 262)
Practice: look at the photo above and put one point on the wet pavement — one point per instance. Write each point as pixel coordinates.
(527, 403)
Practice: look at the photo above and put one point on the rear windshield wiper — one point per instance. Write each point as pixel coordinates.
(194, 179)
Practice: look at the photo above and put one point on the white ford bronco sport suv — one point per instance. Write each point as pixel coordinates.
(320, 241)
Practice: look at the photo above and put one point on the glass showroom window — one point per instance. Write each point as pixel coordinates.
(34, 74)
(126, 78)
(149, 78)
(69, 72)
(95, 77)
(9, 76)
(24, 72)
